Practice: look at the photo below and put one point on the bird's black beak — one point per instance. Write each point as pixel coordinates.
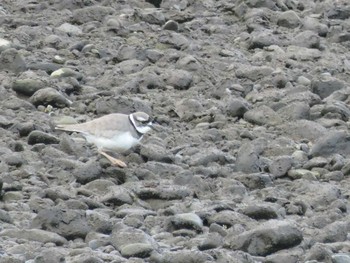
(153, 123)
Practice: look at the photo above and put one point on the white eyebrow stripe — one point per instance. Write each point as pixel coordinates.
(141, 118)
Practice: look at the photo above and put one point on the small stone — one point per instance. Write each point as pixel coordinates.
(307, 39)
(179, 79)
(341, 258)
(164, 192)
(303, 53)
(336, 110)
(312, 23)
(68, 223)
(36, 137)
(289, 19)
(187, 220)
(185, 255)
(66, 72)
(262, 115)
(326, 85)
(303, 129)
(54, 41)
(153, 152)
(5, 217)
(11, 60)
(266, 239)
(213, 240)
(91, 13)
(334, 232)
(315, 162)
(229, 218)
(50, 255)
(24, 128)
(49, 96)
(58, 59)
(254, 73)
(124, 236)
(45, 66)
(70, 29)
(12, 196)
(262, 211)
(334, 142)
(101, 223)
(27, 86)
(139, 250)
(116, 196)
(34, 235)
(14, 159)
(4, 44)
(303, 81)
(174, 40)
(263, 39)
(280, 166)
(333, 176)
(187, 107)
(153, 55)
(346, 168)
(236, 107)
(171, 25)
(295, 111)
(302, 173)
(87, 172)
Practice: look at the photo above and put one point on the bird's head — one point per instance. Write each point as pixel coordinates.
(142, 122)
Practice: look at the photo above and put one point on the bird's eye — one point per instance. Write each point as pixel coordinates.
(142, 120)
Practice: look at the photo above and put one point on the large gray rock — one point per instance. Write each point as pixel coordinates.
(34, 235)
(91, 13)
(295, 111)
(334, 142)
(248, 159)
(262, 115)
(36, 136)
(179, 79)
(280, 166)
(68, 223)
(187, 220)
(120, 104)
(132, 242)
(87, 172)
(116, 196)
(188, 256)
(27, 86)
(50, 255)
(303, 129)
(12, 60)
(266, 239)
(254, 73)
(49, 96)
(326, 85)
(289, 19)
(236, 107)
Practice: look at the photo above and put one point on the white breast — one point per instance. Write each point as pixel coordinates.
(119, 143)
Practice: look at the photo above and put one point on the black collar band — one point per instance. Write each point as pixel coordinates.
(133, 125)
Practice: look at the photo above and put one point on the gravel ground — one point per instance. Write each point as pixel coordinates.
(251, 160)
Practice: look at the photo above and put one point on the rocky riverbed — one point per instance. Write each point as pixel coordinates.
(251, 160)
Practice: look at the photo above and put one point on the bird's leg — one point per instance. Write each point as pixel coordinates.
(114, 161)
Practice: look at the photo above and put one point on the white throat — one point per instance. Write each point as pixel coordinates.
(143, 129)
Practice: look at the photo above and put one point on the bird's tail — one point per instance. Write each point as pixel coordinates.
(66, 127)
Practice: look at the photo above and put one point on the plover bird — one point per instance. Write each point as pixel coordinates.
(113, 132)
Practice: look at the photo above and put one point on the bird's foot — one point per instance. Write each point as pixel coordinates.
(114, 161)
